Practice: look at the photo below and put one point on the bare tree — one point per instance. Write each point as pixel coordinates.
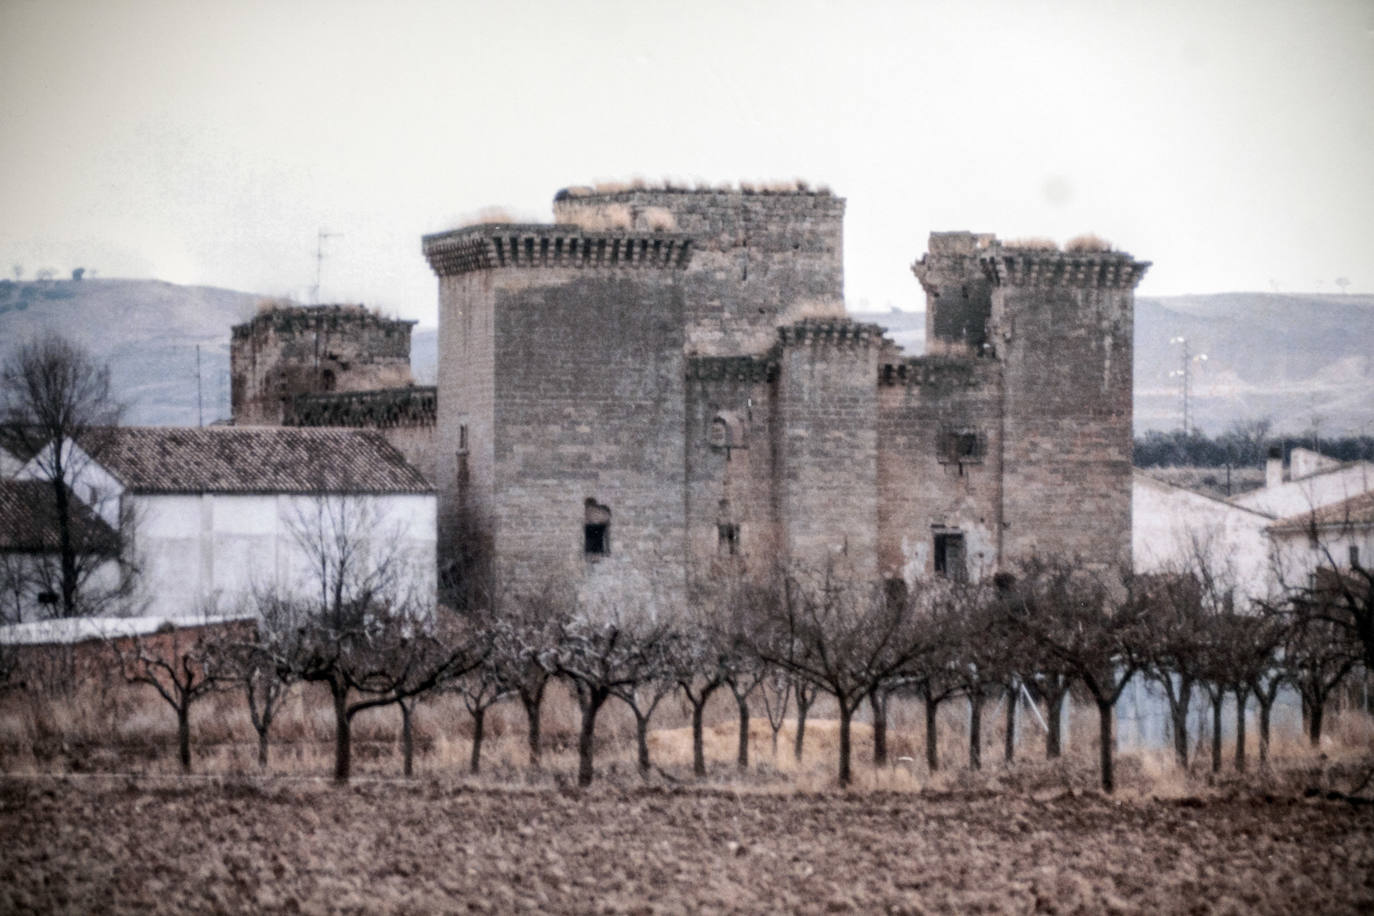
(643, 697)
(254, 662)
(368, 636)
(1094, 631)
(776, 691)
(601, 654)
(845, 637)
(183, 665)
(57, 411)
(482, 688)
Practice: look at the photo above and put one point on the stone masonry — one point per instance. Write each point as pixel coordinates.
(662, 387)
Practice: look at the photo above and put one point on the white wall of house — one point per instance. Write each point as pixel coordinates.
(1168, 521)
(203, 553)
(1307, 493)
(1299, 555)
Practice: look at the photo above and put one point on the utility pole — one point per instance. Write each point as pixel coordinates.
(319, 262)
(1185, 372)
(200, 414)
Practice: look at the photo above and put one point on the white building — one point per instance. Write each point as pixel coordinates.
(218, 512)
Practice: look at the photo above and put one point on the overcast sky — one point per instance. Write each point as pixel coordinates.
(1228, 142)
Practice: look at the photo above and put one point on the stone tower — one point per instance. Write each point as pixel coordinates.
(286, 351)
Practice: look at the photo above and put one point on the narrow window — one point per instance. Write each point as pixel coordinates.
(463, 439)
(949, 557)
(727, 544)
(596, 530)
(1354, 556)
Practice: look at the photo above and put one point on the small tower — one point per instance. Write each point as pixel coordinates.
(290, 350)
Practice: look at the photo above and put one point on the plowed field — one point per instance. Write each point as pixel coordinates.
(172, 847)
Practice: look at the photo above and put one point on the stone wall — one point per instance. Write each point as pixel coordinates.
(939, 463)
(755, 255)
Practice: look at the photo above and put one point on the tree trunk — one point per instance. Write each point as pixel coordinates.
(975, 729)
(1009, 732)
(846, 713)
(1266, 705)
(932, 736)
(742, 759)
(586, 739)
(1217, 699)
(533, 703)
(642, 738)
(878, 701)
(1178, 718)
(184, 736)
(343, 743)
(262, 748)
(803, 707)
(479, 721)
(1054, 723)
(1242, 694)
(698, 742)
(1104, 744)
(1315, 712)
(407, 741)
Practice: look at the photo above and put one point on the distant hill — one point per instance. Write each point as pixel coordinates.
(1286, 356)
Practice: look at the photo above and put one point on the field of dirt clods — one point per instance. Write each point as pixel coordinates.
(92, 845)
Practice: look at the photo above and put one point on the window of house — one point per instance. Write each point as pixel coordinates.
(949, 556)
(596, 530)
(1354, 556)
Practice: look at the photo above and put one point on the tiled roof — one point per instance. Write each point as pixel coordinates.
(1357, 510)
(28, 520)
(257, 459)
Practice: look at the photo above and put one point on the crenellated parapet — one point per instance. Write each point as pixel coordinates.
(938, 372)
(834, 332)
(501, 245)
(1008, 266)
(749, 369)
(378, 409)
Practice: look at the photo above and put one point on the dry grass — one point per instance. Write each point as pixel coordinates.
(1032, 243)
(1088, 242)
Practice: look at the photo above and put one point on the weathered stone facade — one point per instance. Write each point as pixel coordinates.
(332, 365)
(663, 384)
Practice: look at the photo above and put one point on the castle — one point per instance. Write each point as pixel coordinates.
(661, 387)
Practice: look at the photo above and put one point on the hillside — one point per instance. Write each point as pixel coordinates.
(1287, 356)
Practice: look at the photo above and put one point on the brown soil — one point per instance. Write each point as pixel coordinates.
(93, 844)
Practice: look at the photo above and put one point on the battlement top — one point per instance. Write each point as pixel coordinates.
(627, 189)
(289, 316)
(833, 331)
(489, 246)
(1012, 266)
(376, 408)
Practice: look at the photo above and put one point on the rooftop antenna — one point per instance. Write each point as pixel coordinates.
(319, 261)
(1185, 372)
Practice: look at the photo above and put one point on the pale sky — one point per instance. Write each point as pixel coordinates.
(1231, 143)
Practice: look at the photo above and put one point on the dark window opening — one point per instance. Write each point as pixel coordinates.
(596, 530)
(463, 439)
(949, 557)
(895, 592)
(960, 446)
(327, 380)
(47, 598)
(1354, 556)
(728, 539)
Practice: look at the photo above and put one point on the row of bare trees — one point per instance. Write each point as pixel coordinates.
(1047, 630)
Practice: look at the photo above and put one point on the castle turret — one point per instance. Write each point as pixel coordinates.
(1061, 324)
(958, 293)
(292, 350)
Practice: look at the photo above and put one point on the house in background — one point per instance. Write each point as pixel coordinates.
(220, 511)
(29, 552)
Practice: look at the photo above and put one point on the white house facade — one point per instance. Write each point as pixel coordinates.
(220, 512)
